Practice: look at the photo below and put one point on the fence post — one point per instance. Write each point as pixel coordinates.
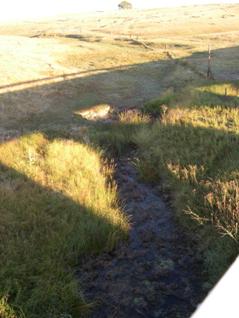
(209, 66)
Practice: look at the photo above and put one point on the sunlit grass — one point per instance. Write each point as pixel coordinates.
(5, 310)
(56, 205)
(228, 89)
(133, 117)
(218, 117)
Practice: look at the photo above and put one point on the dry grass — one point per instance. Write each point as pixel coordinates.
(109, 67)
(164, 22)
(133, 117)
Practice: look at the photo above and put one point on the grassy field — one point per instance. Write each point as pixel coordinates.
(58, 200)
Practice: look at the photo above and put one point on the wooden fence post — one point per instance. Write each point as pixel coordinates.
(209, 66)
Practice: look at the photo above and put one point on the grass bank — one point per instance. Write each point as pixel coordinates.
(56, 204)
(191, 151)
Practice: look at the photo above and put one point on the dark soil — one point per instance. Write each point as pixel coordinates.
(157, 273)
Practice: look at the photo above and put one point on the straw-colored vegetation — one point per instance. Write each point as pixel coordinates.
(58, 200)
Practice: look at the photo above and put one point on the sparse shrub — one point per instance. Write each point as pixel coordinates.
(223, 205)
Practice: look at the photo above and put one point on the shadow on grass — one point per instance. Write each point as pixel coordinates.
(44, 231)
(43, 234)
(54, 103)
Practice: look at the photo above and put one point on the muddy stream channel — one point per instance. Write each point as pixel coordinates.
(156, 273)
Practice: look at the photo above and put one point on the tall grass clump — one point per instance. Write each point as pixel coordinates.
(5, 310)
(56, 204)
(118, 137)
